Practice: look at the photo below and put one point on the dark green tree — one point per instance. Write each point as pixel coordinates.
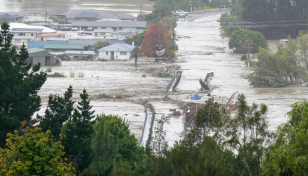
(19, 84)
(136, 52)
(59, 110)
(137, 39)
(100, 44)
(78, 132)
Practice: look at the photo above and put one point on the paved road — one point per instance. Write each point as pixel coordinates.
(193, 17)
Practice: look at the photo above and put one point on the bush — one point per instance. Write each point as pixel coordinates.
(258, 40)
(251, 63)
(81, 74)
(144, 75)
(56, 74)
(72, 74)
(243, 57)
(49, 69)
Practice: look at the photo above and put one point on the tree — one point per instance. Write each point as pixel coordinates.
(33, 152)
(280, 69)
(137, 39)
(59, 110)
(156, 35)
(288, 153)
(241, 35)
(100, 44)
(161, 9)
(303, 48)
(136, 52)
(112, 144)
(248, 135)
(78, 133)
(159, 143)
(19, 84)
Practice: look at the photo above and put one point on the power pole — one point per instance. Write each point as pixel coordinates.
(248, 46)
(220, 7)
(141, 10)
(46, 17)
(190, 7)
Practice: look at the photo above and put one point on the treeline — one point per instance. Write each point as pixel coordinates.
(274, 19)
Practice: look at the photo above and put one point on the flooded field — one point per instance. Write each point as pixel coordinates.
(36, 9)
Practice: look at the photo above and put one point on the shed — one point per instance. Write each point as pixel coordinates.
(120, 51)
(37, 55)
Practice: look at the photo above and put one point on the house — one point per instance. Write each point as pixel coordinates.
(21, 29)
(76, 55)
(20, 40)
(115, 25)
(13, 16)
(45, 37)
(41, 44)
(119, 51)
(88, 43)
(81, 15)
(37, 55)
(63, 47)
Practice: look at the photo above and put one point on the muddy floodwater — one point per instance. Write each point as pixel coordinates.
(208, 52)
(36, 9)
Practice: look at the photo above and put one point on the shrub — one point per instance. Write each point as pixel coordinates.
(243, 57)
(258, 40)
(72, 74)
(56, 74)
(251, 63)
(49, 69)
(81, 74)
(144, 75)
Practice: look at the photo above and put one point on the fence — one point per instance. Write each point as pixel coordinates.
(145, 121)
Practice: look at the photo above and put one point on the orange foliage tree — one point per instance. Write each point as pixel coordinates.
(157, 34)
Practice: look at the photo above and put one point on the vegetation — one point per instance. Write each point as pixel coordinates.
(33, 152)
(241, 35)
(156, 35)
(56, 75)
(136, 52)
(280, 69)
(100, 44)
(19, 82)
(137, 39)
(49, 69)
(265, 19)
(144, 75)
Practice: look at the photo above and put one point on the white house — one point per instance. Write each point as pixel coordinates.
(118, 51)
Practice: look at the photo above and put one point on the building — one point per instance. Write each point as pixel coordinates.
(88, 43)
(13, 16)
(45, 37)
(81, 15)
(37, 55)
(76, 55)
(115, 25)
(118, 51)
(63, 47)
(22, 40)
(41, 44)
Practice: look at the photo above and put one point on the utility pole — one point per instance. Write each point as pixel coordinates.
(141, 11)
(46, 17)
(220, 7)
(190, 7)
(248, 46)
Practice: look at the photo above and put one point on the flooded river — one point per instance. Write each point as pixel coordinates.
(228, 69)
(36, 9)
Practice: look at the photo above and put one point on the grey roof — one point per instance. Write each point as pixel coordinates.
(118, 47)
(7, 16)
(26, 30)
(124, 16)
(23, 37)
(107, 15)
(91, 41)
(124, 24)
(57, 39)
(86, 15)
(35, 50)
(14, 13)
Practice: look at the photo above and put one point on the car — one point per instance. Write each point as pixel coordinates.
(181, 15)
(182, 11)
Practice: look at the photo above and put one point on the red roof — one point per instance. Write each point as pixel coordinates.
(50, 35)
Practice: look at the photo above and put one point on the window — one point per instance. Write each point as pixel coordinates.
(21, 34)
(32, 34)
(17, 40)
(123, 53)
(106, 52)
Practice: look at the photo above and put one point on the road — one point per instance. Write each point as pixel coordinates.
(193, 17)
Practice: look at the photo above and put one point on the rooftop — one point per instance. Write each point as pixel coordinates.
(118, 47)
(14, 13)
(125, 24)
(63, 46)
(51, 35)
(103, 30)
(91, 41)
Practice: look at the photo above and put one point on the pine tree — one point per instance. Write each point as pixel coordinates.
(159, 143)
(78, 132)
(19, 84)
(59, 110)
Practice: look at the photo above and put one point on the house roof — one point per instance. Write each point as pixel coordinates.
(91, 42)
(26, 30)
(51, 35)
(68, 52)
(18, 14)
(103, 30)
(124, 24)
(118, 47)
(86, 15)
(41, 44)
(23, 37)
(57, 39)
(7, 16)
(124, 16)
(64, 46)
(34, 50)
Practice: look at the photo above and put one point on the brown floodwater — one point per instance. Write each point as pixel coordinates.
(36, 9)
